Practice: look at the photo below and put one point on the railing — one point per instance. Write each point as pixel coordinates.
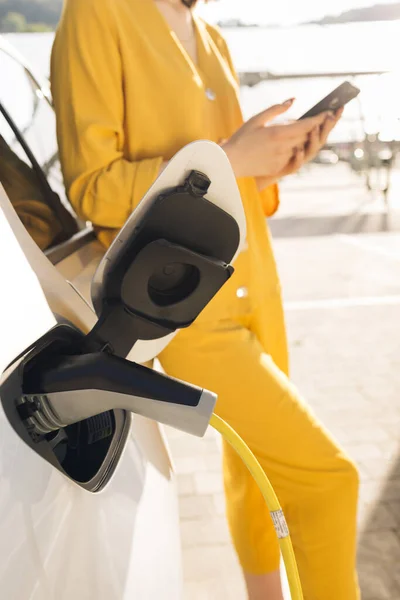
(252, 78)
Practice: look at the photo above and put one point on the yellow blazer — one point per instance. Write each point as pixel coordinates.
(127, 98)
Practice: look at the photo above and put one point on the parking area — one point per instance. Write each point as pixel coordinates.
(338, 251)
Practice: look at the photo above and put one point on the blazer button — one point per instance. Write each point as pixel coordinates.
(211, 95)
(242, 292)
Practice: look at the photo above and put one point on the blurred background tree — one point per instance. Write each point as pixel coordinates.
(29, 15)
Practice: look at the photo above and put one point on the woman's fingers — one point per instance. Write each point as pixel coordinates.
(291, 135)
(328, 125)
(339, 113)
(314, 143)
(282, 142)
(270, 113)
(256, 150)
(297, 160)
(303, 127)
(316, 140)
(326, 128)
(275, 144)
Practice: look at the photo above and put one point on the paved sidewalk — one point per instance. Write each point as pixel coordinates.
(339, 257)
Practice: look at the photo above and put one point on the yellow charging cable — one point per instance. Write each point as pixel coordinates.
(270, 498)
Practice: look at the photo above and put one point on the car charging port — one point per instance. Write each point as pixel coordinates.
(73, 394)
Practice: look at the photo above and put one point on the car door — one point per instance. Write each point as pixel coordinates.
(110, 529)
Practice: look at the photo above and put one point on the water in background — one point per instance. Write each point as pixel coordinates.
(302, 49)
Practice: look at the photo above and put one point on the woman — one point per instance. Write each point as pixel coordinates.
(134, 81)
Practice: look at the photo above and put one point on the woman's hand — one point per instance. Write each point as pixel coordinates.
(259, 149)
(316, 141)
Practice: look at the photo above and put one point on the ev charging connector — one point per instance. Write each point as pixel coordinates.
(161, 271)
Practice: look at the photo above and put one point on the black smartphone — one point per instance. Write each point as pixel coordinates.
(335, 100)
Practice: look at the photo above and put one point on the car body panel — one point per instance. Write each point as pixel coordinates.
(56, 539)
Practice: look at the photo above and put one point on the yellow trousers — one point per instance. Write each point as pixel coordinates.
(316, 483)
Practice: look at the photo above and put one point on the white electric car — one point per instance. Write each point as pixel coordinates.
(88, 506)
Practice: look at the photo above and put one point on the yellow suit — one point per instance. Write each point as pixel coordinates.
(128, 97)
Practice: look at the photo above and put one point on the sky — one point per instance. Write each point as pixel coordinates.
(283, 12)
